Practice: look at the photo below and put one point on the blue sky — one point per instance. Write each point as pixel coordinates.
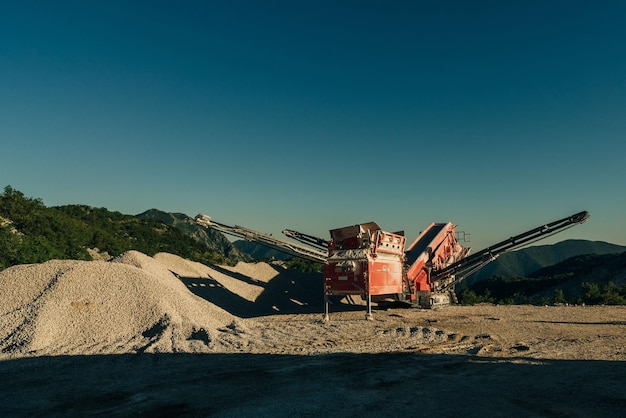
(497, 116)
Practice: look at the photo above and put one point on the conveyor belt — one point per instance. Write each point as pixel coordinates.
(468, 265)
(419, 246)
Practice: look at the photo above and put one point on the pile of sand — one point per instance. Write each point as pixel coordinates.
(133, 303)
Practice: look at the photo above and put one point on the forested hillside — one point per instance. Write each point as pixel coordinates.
(30, 232)
(524, 262)
(590, 279)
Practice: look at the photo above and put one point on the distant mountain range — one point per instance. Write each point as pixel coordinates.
(590, 278)
(526, 261)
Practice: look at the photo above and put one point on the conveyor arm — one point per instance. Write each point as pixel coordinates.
(470, 264)
(320, 243)
(267, 240)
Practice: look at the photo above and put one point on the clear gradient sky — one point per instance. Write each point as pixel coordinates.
(496, 115)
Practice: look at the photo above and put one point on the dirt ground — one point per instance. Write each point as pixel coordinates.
(450, 361)
(549, 332)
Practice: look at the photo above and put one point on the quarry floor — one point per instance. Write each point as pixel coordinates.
(481, 360)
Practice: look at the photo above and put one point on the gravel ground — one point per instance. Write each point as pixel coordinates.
(163, 336)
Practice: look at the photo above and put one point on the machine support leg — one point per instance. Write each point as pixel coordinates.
(368, 314)
(326, 317)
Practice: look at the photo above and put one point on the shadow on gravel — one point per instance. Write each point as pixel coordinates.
(334, 385)
(288, 292)
(583, 323)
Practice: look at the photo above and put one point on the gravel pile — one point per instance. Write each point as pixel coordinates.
(246, 280)
(133, 303)
(260, 271)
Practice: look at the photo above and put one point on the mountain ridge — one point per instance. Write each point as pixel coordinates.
(31, 232)
(589, 278)
(209, 237)
(523, 262)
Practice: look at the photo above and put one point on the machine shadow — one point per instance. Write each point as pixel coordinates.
(331, 385)
(289, 292)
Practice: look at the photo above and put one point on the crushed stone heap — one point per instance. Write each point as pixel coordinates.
(133, 303)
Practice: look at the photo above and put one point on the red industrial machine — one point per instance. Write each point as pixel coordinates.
(376, 265)
(364, 260)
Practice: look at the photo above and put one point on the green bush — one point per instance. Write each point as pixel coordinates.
(559, 297)
(304, 266)
(469, 297)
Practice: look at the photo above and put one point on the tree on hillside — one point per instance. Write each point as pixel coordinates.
(30, 232)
